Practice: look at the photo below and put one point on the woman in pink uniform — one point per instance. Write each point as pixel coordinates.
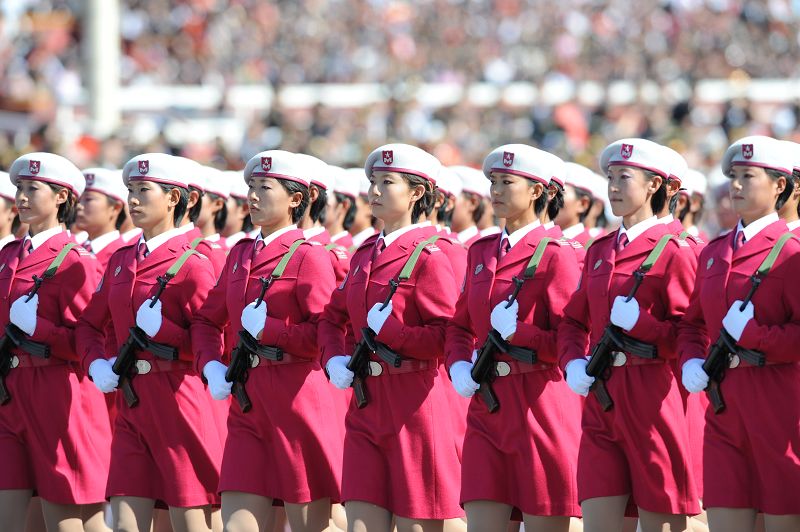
(522, 456)
(400, 459)
(635, 453)
(288, 447)
(163, 450)
(750, 451)
(54, 433)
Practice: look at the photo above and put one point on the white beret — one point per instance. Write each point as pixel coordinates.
(362, 179)
(403, 158)
(48, 168)
(695, 183)
(524, 161)
(793, 149)
(449, 182)
(216, 182)
(598, 186)
(319, 172)
(239, 188)
(677, 164)
(345, 182)
(559, 171)
(7, 190)
(759, 151)
(278, 164)
(473, 181)
(105, 181)
(638, 153)
(579, 176)
(160, 168)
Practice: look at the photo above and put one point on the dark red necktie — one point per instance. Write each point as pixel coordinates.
(87, 245)
(380, 245)
(505, 247)
(622, 242)
(141, 252)
(27, 248)
(739, 241)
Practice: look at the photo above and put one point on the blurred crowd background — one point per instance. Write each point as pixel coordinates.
(400, 44)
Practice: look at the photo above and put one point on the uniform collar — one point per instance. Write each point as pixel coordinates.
(519, 234)
(185, 228)
(272, 236)
(157, 240)
(549, 225)
(339, 236)
(792, 226)
(573, 231)
(466, 234)
(102, 241)
(312, 232)
(127, 236)
(755, 227)
(394, 235)
(360, 237)
(493, 230)
(666, 220)
(5, 240)
(39, 239)
(213, 238)
(637, 229)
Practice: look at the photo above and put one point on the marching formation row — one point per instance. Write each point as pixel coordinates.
(367, 337)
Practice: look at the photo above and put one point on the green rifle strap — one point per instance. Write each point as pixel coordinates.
(56, 264)
(332, 245)
(405, 273)
(278, 271)
(530, 269)
(684, 235)
(653, 256)
(765, 267)
(178, 264)
(196, 242)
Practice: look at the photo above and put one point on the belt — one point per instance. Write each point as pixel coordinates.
(24, 360)
(286, 358)
(143, 367)
(625, 359)
(504, 368)
(735, 361)
(407, 365)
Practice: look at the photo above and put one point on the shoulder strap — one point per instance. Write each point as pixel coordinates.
(684, 235)
(411, 263)
(536, 258)
(765, 267)
(56, 264)
(589, 243)
(655, 254)
(196, 242)
(178, 264)
(332, 245)
(278, 271)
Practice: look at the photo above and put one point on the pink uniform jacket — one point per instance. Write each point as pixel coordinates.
(577, 248)
(214, 251)
(340, 258)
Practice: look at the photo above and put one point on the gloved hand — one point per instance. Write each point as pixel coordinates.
(694, 378)
(149, 319)
(103, 376)
(23, 314)
(254, 318)
(474, 357)
(735, 321)
(377, 317)
(340, 376)
(504, 320)
(625, 314)
(577, 379)
(218, 387)
(460, 374)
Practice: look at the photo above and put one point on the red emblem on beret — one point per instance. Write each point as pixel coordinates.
(388, 156)
(89, 179)
(747, 151)
(508, 158)
(144, 167)
(626, 151)
(34, 166)
(266, 163)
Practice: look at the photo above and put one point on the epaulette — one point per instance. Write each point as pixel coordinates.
(341, 253)
(431, 248)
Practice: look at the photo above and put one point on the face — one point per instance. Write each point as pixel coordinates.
(236, 214)
(391, 197)
(462, 213)
(37, 202)
(512, 195)
(270, 203)
(149, 205)
(754, 192)
(96, 211)
(363, 212)
(570, 213)
(630, 189)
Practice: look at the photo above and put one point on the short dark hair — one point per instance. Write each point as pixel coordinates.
(67, 211)
(541, 202)
(787, 192)
(477, 214)
(247, 223)
(557, 203)
(183, 202)
(659, 199)
(443, 216)
(121, 217)
(318, 208)
(350, 215)
(221, 217)
(673, 202)
(292, 187)
(581, 194)
(194, 212)
(425, 204)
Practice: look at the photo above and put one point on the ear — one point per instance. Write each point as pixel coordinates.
(583, 205)
(313, 194)
(118, 206)
(780, 185)
(194, 197)
(654, 184)
(295, 200)
(473, 200)
(673, 186)
(451, 203)
(216, 205)
(536, 191)
(174, 197)
(417, 192)
(552, 190)
(62, 196)
(441, 198)
(682, 201)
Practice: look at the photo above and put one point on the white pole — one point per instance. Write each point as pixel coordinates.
(102, 55)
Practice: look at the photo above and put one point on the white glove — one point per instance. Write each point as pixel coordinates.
(149, 319)
(693, 377)
(474, 357)
(254, 318)
(504, 320)
(23, 314)
(377, 317)
(340, 376)
(214, 372)
(577, 379)
(625, 314)
(103, 376)
(735, 321)
(461, 375)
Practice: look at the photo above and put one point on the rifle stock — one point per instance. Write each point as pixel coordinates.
(359, 365)
(237, 372)
(483, 373)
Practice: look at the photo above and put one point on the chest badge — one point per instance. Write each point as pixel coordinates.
(235, 267)
(709, 263)
(116, 271)
(478, 269)
(598, 263)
